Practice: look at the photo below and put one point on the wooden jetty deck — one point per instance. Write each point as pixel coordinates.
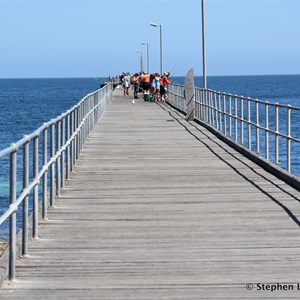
(158, 208)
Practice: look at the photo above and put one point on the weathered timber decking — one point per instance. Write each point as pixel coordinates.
(158, 208)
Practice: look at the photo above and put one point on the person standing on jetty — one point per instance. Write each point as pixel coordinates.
(135, 81)
(145, 83)
(163, 82)
(156, 86)
(126, 84)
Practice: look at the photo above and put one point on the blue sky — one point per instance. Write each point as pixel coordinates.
(83, 38)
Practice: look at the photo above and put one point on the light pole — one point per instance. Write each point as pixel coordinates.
(161, 55)
(203, 46)
(143, 43)
(141, 59)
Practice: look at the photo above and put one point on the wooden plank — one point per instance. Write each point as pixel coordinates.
(158, 208)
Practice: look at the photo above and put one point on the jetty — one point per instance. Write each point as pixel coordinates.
(158, 207)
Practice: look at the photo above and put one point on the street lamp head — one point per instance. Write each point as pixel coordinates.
(153, 24)
(143, 43)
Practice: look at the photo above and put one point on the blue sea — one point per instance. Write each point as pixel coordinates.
(283, 89)
(25, 104)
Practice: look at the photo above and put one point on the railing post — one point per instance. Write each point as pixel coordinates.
(80, 113)
(225, 115)
(211, 113)
(213, 108)
(220, 113)
(288, 150)
(249, 122)
(95, 110)
(78, 133)
(267, 130)
(204, 105)
(63, 140)
(45, 155)
(230, 117)
(216, 110)
(68, 150)
(35, 217)
(25, 226)
(52, 168)
(58, 166)
(276, 135)
(207, 106)
(73, 142)
(257, 127)
(235, 119)
(199, 104)
(242, 121)
(13, 217)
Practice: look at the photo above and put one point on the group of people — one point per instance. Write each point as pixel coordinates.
(152, 85)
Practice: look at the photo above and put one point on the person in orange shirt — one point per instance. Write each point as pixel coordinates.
(135, 80)
(163, 82)
(145, 82)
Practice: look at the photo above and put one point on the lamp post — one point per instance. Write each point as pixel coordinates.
(141, 59)
(203, 46)
(146, 44)
(161, 55)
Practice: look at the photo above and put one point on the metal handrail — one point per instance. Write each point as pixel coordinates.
(62, 141)
(252, 123)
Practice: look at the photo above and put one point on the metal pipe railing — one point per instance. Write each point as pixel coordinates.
(56, 145)
(265, 128)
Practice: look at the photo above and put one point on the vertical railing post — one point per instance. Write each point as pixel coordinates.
(98, 106)
(25, 227)
(80, 111)
(94, 111)
(288, 142)
(257, 127)
(200, 108)
(35, 215)
(45, 156)
(276, 134)
(216, 117)
(68, 150)
(52, 168)
(73, 143)
(210, 108)
(249, 122)
(242, 121)
(78, 133)
(207, 106)
(225, 115)
(13, 217)
(267, 130)
(235, 119)
(63, 154)
(204, 104)
(230, 117)
(58, 160)
(84, 124)
(220, 112)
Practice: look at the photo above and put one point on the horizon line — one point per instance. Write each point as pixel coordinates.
(100, 77)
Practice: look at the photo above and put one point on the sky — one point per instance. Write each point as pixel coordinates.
(98, 38)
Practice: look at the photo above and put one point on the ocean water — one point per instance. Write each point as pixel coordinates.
(283, 89)
(25, 104)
